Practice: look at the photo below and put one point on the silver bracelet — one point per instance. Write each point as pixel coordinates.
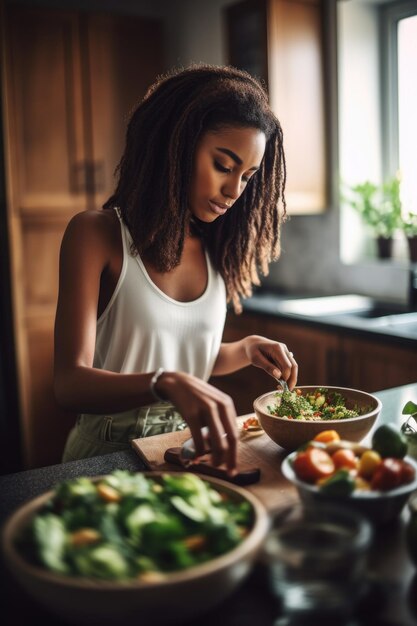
(154, 380)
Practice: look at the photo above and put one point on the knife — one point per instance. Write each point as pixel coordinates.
(245, 476)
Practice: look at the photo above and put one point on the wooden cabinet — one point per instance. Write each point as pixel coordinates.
(282, 42)
(246, 384)
(372, 365)
(325, 357)
(317, 351)
(70, 81)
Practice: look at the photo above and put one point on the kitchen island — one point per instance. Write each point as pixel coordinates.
(391, 596)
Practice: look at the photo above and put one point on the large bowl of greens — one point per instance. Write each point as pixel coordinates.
(162, 547)
(291, 418)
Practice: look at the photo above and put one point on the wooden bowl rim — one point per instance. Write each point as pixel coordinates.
(285, 420)
(25, 512)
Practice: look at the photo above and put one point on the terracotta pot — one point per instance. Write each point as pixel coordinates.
(384, 247)
(412, 247)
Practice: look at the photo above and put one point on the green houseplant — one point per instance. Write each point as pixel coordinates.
(380, 210)
(409, 227)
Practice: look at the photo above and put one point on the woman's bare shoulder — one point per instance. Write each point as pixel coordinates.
(95, 226)
(92, 233)
(93, 221)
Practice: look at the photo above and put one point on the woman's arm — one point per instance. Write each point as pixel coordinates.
(272, 356)
(85, 255)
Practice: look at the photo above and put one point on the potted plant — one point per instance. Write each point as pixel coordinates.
(409, 227)
(380, 210)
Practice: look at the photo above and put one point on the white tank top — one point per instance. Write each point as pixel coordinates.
(142, 328)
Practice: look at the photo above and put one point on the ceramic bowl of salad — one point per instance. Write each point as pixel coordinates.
(159, 547)
(291, 418)
(376, 481)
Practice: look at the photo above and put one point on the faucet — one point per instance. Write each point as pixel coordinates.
(412, 287)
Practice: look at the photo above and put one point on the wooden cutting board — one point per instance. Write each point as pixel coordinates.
(254, 449)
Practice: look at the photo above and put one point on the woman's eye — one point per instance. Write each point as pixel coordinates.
(221, 168)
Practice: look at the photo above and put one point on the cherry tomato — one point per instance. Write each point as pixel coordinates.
(387, 475)
(326, 436)
(345, 458)
(407, 473)
(368, 463)
(313, 464)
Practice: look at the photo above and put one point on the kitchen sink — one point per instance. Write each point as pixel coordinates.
(357, 311)
(404, 325)
(350, 304)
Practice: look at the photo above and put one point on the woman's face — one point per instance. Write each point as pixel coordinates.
(224, 162)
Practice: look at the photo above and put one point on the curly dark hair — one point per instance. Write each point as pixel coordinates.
(155, 172)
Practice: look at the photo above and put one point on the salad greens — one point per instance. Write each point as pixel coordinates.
(130, 526)
(317, 405)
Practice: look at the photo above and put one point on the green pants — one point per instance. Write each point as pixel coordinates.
(94, 435)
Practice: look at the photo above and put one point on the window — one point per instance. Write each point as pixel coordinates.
(407, 110)
(377, 91)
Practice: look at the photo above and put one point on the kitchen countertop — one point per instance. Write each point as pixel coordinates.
(392, 597)
(276, 305)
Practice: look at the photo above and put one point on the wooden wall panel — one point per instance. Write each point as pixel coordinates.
(41, 245)
(70, 80)
(114, 46)
(46, 424)
(47, 108)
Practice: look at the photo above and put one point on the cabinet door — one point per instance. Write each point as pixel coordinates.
(124, 55)
(45, 110)
(282, 42)
(316, 351)
(250, 382)
(70, 82)
(371, 366)
(44, 136)
(296, 86)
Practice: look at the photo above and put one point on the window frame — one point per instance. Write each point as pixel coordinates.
(390, 15)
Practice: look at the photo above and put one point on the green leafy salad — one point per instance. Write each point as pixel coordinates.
(321, 404)
(129, 526)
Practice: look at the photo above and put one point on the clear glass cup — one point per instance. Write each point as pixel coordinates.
(316, 559)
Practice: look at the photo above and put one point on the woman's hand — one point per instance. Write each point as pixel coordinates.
(273, 357)
(201, 404)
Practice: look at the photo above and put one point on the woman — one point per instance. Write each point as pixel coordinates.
(144, 282)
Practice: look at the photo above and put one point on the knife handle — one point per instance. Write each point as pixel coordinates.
(246, 476)
(173, 455)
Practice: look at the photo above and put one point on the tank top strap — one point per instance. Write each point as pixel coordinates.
(126, 236)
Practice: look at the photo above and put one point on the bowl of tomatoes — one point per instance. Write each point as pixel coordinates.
(290, 418)
(377, 481)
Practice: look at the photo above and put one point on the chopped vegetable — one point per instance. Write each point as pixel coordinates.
(387, 475)
(345, 458)
(313, 464)
(251, 423)
(321, 404)
(326, 436)
(341, 483)
(342, 467)
(129, 526)
(368, 463)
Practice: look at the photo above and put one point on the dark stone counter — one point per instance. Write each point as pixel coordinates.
(401, 334)
(391, 597)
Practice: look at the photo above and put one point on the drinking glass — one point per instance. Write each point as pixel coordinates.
(316, 558)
